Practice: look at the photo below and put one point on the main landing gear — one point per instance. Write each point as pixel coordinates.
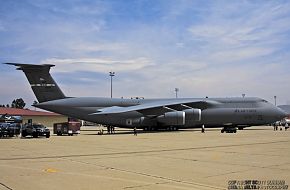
(229, 130)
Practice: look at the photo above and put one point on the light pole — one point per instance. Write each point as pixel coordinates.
(176, 91)
(275, 98)
(111, 75)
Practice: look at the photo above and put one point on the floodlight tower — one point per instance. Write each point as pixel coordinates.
(111, 75)
(176, 91)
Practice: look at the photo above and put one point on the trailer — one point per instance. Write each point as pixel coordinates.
(67, 128)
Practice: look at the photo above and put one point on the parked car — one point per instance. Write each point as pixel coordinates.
(9, 129)
(3, 129)
(35, 130)
(14, 129)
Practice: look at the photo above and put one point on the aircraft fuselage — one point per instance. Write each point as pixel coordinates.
(225, 111)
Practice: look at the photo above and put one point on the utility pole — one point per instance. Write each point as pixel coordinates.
(275, 98)
(111, 75)
(176, 91)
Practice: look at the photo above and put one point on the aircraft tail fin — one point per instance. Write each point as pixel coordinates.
(41, 82)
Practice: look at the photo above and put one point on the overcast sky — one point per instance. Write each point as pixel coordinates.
(205, 48)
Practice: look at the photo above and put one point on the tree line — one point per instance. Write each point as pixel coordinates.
(16, 103)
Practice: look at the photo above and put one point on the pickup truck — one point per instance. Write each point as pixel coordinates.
(35, 130)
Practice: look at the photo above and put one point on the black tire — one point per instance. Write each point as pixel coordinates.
(222, 131)
(35, 135)
(47, 135)
(23, 134)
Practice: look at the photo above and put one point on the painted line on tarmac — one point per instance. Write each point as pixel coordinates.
(2, 184)
(140, 152)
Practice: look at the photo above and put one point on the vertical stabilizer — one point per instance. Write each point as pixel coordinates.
(41, 82)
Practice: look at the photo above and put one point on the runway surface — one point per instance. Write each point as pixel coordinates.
(185, 160)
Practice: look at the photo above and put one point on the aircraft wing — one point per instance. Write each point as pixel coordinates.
(158, 107)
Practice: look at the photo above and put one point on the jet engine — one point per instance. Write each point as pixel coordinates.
(193, 114)
(172, 118)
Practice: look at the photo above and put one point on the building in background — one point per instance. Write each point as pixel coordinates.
(45, 118)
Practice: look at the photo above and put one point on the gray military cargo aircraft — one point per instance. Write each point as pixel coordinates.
(150, 114)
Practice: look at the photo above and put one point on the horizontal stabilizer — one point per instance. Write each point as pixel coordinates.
(22, 66)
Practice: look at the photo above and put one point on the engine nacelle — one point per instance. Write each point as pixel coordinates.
(193, 114)
(172, 118)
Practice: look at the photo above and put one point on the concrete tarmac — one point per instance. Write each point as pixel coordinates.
(185, 159)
